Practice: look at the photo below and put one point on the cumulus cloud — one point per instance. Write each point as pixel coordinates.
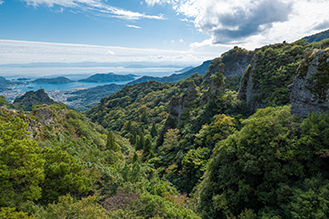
(251, 22)
(133, 26)
(241, 21)
(322, 25)
(100, 7)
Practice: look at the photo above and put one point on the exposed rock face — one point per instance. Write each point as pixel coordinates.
(232, 63)
(237, 68)
(309, 92)
(178, 104)
(249, 89)
(45, 115)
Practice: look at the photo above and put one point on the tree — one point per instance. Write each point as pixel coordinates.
(63, 175)
(248, 167)
(153, 130)
(147, 148)
(140, 142)
(3, 100)
(68, 207)
(136, 158)
(21, 166)
(111, 144)
(144, 117)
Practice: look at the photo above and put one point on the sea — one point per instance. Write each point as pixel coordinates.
(74, 73)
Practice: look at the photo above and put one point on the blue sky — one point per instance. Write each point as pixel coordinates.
(164, 31)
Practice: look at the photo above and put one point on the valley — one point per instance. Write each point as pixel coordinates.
(244, 135)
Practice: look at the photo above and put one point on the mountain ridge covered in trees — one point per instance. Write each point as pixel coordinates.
(190, 149)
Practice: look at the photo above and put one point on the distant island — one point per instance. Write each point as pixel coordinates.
(58, 80)
(110, 77)
(23, 79)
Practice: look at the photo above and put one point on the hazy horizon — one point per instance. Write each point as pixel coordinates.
(180, 32)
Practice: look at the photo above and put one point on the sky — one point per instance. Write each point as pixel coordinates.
(182, 32)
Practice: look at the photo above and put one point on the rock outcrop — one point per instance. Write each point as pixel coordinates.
(178, 104)
(271, 70)
(236, 61)
(249, 89)
(309, 92)
(45, 115)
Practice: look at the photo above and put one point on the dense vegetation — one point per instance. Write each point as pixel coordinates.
(189, 149)
(31, 98)
(273, 68)
(317, 37)
(70, 167)
(87, 98)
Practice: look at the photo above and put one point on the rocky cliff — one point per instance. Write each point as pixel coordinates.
(179, 103)
(236, 61)
(309, 92)
(271, 70)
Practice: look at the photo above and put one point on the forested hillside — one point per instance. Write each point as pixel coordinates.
(214, 145)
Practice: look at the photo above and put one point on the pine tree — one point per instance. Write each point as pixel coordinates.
(136, 157)
(111, 144)
(140, 142)
(153, 130)
(144, 117)
(147, 147)
(128, 127)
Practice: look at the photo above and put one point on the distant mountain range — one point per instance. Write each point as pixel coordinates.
(317, 37)
(202, 69)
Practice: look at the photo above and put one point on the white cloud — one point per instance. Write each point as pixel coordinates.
(100, 7)
(182, 41)
(172, 41)
(1, 2)
(153, 2)
(252, 23)
(20, 52)
(110, 52)
(133, 26)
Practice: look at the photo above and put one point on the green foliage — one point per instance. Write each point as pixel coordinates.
(154, 206)
(274, 71)
(317, 37)
(266, 167)
(111, 145)
(248, 166)
(63, 175)
(21, 166)
(10, 213)
(233, 83)
(308, 199)
(3, 100)
(68, 207)
(153, 131)
(31, 98)
(320, 80)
